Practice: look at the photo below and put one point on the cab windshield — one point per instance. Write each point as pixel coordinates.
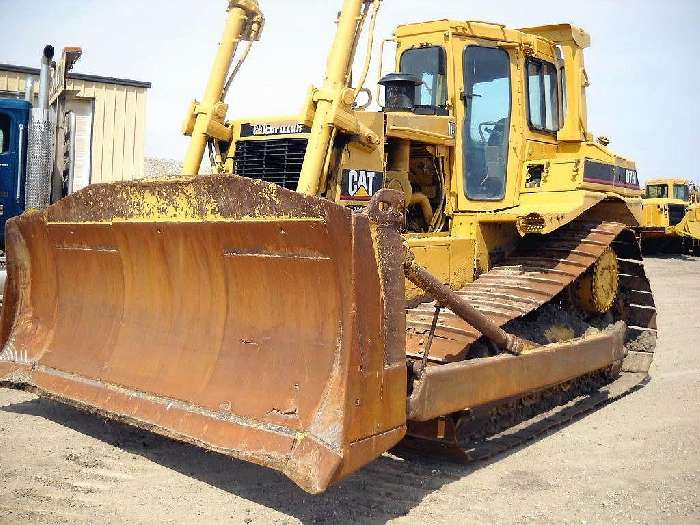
(657, 191)
(680, 191)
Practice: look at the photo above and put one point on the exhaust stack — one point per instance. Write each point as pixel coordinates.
(40, 144)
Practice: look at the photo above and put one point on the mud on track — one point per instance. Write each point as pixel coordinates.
(636, 460)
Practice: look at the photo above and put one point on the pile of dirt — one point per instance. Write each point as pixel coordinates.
(644, 343)
(155, 168)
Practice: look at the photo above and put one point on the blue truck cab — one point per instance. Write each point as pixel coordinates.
(14, 120)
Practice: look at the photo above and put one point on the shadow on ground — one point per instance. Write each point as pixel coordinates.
(387, 488)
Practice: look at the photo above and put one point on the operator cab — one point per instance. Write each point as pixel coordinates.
(487, 102)
(507, 90)
(661, 191)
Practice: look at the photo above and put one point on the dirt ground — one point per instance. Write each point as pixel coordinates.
(634, 461)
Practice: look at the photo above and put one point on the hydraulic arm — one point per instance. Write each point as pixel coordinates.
(206, 119)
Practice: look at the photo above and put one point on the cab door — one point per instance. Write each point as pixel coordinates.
(487, 130)
(14, 117)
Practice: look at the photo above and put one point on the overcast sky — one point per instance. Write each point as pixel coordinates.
(641, 64)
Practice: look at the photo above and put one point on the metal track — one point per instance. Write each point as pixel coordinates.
(456, 447)
(539, 269)
(537, 272)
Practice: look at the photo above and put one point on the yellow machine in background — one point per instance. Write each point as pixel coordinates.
(668, 222)
(430, 273)
(689, 227)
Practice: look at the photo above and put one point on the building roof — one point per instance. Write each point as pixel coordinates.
(80, 76)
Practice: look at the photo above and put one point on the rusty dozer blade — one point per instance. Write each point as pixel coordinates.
(222, 311)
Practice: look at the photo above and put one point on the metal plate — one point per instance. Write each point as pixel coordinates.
(220, 311)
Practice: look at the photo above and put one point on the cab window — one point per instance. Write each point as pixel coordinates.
(5, 127)
(543, 95)
(680, 191)
(657, 191)
(487, 101)
(428, 64)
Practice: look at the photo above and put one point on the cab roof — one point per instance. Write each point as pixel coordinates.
(555, 34)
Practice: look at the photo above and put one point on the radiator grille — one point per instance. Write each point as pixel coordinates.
(675, 213)
(275, 160)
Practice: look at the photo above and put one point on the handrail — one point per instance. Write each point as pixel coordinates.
(20, 163)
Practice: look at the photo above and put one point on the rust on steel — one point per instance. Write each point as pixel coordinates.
(444, 389)
(444, 295)
(386, 216)
(222, 311)
(539, 269)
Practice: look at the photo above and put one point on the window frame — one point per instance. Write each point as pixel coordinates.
(541, 63)
(563, 97)
(660, 185)
(439, 109)
(687, 192)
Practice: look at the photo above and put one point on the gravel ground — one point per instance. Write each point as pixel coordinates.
(634, 461)
(154, 167)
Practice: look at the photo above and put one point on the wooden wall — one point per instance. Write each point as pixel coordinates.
(118, 130)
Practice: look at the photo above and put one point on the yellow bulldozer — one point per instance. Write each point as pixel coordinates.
(688, 229)
(430, 274)
(670, 216)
